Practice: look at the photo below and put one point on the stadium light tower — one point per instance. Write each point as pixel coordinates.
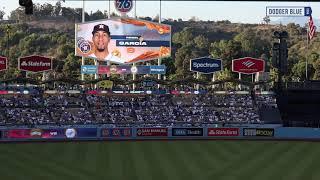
(28, 5)
(280, 51)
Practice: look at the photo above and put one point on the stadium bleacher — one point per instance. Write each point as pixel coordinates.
(132, 109)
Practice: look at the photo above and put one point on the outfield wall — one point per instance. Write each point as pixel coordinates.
(98, 133)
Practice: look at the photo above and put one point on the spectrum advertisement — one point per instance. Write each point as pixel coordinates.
(122, 40)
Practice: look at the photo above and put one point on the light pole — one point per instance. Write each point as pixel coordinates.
(281, 47)
(8, 28)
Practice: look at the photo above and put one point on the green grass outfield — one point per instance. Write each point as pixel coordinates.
(161, 160)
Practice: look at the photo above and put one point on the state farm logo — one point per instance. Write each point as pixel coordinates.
(223, 131)
(30, 63)
(248, 63)
(24, 63)
(35, 63)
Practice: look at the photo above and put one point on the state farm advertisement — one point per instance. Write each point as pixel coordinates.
(152, 132)
(223, 131)
(248, 65)
(3, 63)
(35, 63)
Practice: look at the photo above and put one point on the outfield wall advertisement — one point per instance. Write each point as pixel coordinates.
(116, 132)
(99, 133)
(149, 132)
(187, 131)
(37, 133)
(266, 132)
(123, 40)
(223, 131)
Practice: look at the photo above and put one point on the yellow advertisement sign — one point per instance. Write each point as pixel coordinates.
(105, 84)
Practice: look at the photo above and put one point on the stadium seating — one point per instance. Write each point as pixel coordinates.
(131, 109)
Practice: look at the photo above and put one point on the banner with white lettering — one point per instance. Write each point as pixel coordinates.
(285, 11)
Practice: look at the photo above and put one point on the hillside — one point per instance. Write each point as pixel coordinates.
(54, 36)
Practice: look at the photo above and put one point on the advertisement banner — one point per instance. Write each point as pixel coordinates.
(149, 83)
(52, 133)
(123, 40)
(123, 6)
(0, 134)
(141, 70)
(17, 133)
(248, 65)
(288, 11)
(152, 132)
(267, 132)
(93, 92)
(205, 65)
(3, 63)
(88, 69)
(125, 69)
(35, 63)
(116, 132)
(158, 69)
(187, 131)
(223, 131)
(80, 132)
(3, 92)
(105, 84)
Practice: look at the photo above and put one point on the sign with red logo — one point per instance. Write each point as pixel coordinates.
(35, 63)
(152, 132)
(248, 65)
(3, 63)
(223, 131)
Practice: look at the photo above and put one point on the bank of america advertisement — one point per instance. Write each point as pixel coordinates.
(123, 40)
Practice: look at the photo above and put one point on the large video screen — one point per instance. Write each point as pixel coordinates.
(123, 40)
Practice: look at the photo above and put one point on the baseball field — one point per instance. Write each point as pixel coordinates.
(161, 160)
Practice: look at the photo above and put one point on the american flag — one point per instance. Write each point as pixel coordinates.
(312, 28)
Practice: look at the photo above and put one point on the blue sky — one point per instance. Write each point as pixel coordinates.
(238, 11)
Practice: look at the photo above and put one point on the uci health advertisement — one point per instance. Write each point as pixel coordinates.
(122, 40)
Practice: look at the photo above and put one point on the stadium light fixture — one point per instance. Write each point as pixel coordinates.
(28, 5)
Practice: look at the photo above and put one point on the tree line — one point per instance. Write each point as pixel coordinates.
(50, 32)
